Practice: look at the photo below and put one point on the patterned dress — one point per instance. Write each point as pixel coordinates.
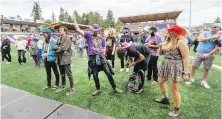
(172, 66)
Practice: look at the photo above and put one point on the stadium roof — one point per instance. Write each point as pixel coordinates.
(70, 26)
(151, 17)
(19, 22)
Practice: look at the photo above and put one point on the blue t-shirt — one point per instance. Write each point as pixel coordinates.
(206, 46)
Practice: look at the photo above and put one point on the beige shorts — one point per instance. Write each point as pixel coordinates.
(207, 61)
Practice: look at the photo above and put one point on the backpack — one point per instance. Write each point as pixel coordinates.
(135, 80)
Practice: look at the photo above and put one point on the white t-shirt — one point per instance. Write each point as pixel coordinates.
(40, 42)
(20, 45)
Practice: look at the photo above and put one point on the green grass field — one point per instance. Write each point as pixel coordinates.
(197, 102)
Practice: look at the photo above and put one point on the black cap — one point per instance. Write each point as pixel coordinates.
(153, 28)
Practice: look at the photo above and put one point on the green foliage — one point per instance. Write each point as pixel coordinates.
(85, 19)
(94, 18)
(110, 20)
(78, 17)
(70, 19)
(118, 28)
(53, 17)
(48, 21)
(61, 15)
(66, 16)
(217, 20)
(36, 12)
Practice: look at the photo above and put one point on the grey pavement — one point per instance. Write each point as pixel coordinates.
(18, 104)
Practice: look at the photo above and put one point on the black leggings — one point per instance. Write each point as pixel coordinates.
(111, 57)
(48, 66)
(21, 53)
(122, 61)
(6, 55)
(35, 59)
(152, 68)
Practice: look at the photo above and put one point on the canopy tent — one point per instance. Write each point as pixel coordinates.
(70, 26)
(151, 17)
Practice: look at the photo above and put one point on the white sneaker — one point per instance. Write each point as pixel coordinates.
(190, 82)
(204, 84)
(121, 70)
(8, 62)
(127, 70)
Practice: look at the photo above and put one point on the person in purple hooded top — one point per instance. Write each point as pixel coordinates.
(97, 61)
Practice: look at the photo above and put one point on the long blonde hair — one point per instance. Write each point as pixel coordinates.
(19, 38)
(173, 38)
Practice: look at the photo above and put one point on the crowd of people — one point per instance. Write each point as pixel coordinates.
(140, 52)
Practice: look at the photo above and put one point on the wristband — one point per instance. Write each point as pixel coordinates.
(185, 73)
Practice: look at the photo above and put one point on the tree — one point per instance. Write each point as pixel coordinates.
(110, 21)
(118, 28)
(70, 19)
(77, 16)
(36, 12)
(118, 25)
(94, 18)
(85, 19)
(48, 21)
(217, 20)
(61, 15)
(19, 17)
(66, 16)
(53, 17)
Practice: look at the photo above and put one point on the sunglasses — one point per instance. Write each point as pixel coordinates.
(214, 27)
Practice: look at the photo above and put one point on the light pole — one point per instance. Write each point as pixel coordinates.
(190, 14)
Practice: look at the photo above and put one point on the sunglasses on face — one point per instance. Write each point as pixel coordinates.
(214, 27)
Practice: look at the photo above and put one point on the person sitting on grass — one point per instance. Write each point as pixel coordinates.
(174, 67)
(141, 55)
(97, 61)
(64, 59)
(49, 57)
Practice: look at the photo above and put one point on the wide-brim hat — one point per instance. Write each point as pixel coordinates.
(180, 31)
(95, 27)
(126, 44)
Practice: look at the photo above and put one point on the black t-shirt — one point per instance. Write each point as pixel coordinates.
(126, 38)
(135, 51)
(110, 43)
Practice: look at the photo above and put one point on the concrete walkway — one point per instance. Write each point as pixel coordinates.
(18, 104)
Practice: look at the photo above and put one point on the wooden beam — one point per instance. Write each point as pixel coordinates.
(29, 29)
(10, 27)
(20, 28)
(51, 25)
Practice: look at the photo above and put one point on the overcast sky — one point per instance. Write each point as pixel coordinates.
(203, 11)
